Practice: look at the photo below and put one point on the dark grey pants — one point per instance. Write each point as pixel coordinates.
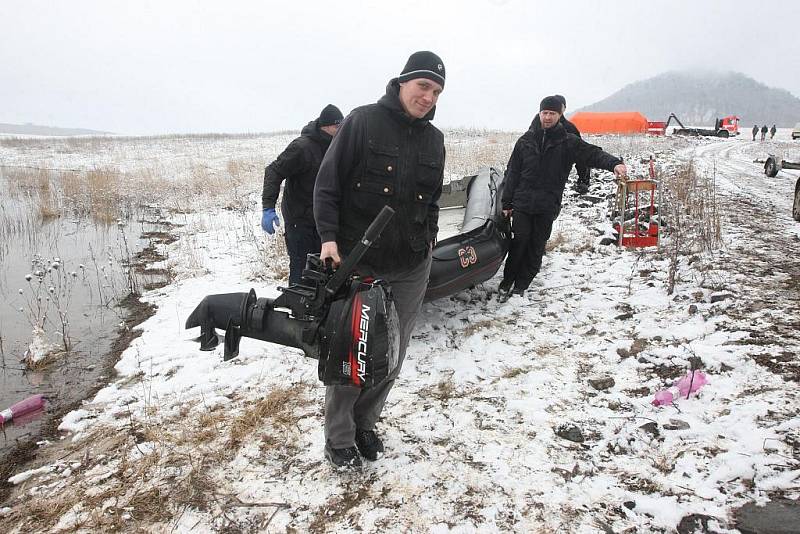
(348, 408)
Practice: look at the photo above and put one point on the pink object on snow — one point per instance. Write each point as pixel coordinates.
(682, 388)
(690, 383)
(28, 405)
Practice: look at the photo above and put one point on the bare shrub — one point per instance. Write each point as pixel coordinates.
(691, 215)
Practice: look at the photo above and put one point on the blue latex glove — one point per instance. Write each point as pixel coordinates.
(269, 220)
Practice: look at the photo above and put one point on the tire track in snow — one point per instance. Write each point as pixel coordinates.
(762, 250)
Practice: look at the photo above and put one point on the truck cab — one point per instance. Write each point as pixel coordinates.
(730, 123)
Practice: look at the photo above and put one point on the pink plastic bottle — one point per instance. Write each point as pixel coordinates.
(19, 409)
(683, 388)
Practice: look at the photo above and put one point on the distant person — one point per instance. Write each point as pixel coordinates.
(298, 165)
(755, 131)
(772, 131)
(582, 183)
(535, 179)
(764, 132)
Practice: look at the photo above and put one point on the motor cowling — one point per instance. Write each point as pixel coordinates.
(359, 341)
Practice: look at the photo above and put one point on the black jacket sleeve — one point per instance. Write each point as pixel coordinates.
(291, 161)
(593, 156)
(580, 168)
(511, 179)
(339, 162)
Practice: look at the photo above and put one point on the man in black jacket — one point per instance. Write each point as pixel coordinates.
(582, 183)
(386, 153)
(535, 179)
(298, 165)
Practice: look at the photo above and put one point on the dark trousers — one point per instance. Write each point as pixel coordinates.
(530, 235)
(301, 240)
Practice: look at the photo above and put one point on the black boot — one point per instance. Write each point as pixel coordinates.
(581, 187)
(346, 458)
(504, 290)
(369, 444)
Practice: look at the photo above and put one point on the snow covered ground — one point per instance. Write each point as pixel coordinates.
(181, 441)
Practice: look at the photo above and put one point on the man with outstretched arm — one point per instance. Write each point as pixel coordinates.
(386, 153)
(535, 179)
(298, 165)
(582, 183)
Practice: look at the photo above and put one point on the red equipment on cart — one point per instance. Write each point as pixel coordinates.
(638, 224)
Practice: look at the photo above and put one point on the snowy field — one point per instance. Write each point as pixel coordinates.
(181, 441)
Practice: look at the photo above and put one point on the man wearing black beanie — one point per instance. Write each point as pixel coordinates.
(298, 165)
(385, 154)
(534, 185)
(582, 183)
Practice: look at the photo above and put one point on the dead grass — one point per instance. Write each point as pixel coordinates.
(272, 257)
(146, 475)
(445, 390)
(514, 372)
(556, 241)
(279, 408)
(481, 325)
(104, 194)
(339, 508)
(71, 185)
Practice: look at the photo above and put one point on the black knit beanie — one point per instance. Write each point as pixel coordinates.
(423, 65)
(330, 115)
(550, 103)
(562, 100)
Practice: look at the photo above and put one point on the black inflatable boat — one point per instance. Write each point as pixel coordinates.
(474, 255)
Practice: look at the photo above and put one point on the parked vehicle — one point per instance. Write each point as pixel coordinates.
(772, 166)
(724, 127)
(796, 131)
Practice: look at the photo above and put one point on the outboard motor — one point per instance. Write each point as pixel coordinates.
(346, 322)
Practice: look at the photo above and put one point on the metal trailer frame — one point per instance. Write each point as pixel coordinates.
(636, 238)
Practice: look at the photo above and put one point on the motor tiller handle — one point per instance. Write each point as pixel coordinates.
(372, 234)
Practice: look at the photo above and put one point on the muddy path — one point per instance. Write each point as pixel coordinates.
(763, 249)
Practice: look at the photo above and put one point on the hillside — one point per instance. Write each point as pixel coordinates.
(698, 97)
(35, 129)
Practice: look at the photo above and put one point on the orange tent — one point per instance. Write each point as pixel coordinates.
(624, 122)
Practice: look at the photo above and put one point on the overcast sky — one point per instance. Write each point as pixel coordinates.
(147, 67)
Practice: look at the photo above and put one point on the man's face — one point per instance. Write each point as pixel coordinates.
(418, 96)
(330, 130)
(549, 118)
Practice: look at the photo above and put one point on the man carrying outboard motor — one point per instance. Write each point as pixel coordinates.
(386, 153)
(298, 165)
(535, 179)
